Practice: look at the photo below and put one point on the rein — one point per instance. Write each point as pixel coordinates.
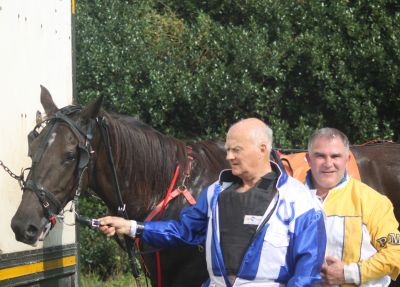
(130, 247)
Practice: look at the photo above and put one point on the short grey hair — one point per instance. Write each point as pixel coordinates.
(262, 134)
(259, 131)
(329, 133)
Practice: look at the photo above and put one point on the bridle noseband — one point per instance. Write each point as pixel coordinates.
(46, 198)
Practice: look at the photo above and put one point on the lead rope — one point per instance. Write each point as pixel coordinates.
(130, 247)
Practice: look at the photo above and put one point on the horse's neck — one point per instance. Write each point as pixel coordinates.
(144, 161)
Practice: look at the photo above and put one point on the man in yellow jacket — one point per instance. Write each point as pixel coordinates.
(363, 246)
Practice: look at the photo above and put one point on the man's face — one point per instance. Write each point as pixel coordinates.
(327, 159)
(242, 153)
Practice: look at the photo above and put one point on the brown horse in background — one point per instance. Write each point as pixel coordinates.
(379, 165)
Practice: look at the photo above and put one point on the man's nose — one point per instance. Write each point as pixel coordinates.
(328, 161)
(229, 155)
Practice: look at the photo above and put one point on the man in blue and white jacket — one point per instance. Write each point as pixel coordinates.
(260, 226)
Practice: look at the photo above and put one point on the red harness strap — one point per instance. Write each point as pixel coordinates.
(159, 209)
(182, 189)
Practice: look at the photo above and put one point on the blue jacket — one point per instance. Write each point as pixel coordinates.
(288, 250)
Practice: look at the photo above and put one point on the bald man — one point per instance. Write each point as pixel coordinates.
(259, 226)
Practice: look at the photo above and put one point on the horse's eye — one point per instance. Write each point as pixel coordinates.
(69, 157)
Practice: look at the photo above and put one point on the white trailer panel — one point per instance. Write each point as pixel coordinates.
(35, 49)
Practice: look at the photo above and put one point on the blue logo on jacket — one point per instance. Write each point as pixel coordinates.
(283, 214)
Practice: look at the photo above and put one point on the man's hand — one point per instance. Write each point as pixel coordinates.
(333, 271)
(111, 225)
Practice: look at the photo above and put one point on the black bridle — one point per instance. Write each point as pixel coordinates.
(48, 199)
(51, 205)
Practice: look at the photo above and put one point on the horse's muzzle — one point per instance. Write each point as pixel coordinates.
(25, 232)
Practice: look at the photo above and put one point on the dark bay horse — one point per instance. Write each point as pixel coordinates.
(379, 165)
(68, 153)
(69, 149)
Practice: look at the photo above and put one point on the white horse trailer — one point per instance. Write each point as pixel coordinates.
(36, 49)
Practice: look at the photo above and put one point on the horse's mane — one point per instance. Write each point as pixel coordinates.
(146, 159)
(209, 153)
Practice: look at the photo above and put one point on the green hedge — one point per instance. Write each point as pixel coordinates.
(98, 254)
(191, 68)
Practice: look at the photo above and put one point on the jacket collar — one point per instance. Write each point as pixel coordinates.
(226, 178)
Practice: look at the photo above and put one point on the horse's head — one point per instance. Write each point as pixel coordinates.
(60, 151)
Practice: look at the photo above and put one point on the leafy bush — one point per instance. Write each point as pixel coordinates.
(191, 68)
(99, 254)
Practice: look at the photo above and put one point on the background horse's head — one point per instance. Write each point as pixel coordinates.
(60, 153)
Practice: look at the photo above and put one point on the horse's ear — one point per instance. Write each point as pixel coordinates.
(47, 101)
(92, 110)
(39, 118)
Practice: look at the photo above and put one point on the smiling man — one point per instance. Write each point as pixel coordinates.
(363, 238)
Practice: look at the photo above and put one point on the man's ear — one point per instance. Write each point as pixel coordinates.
(263, 148)
(265, 153)
(348, 156)
(308, 158)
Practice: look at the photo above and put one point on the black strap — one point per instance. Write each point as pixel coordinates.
(44, 197)
(130, 247)
(277, 159)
